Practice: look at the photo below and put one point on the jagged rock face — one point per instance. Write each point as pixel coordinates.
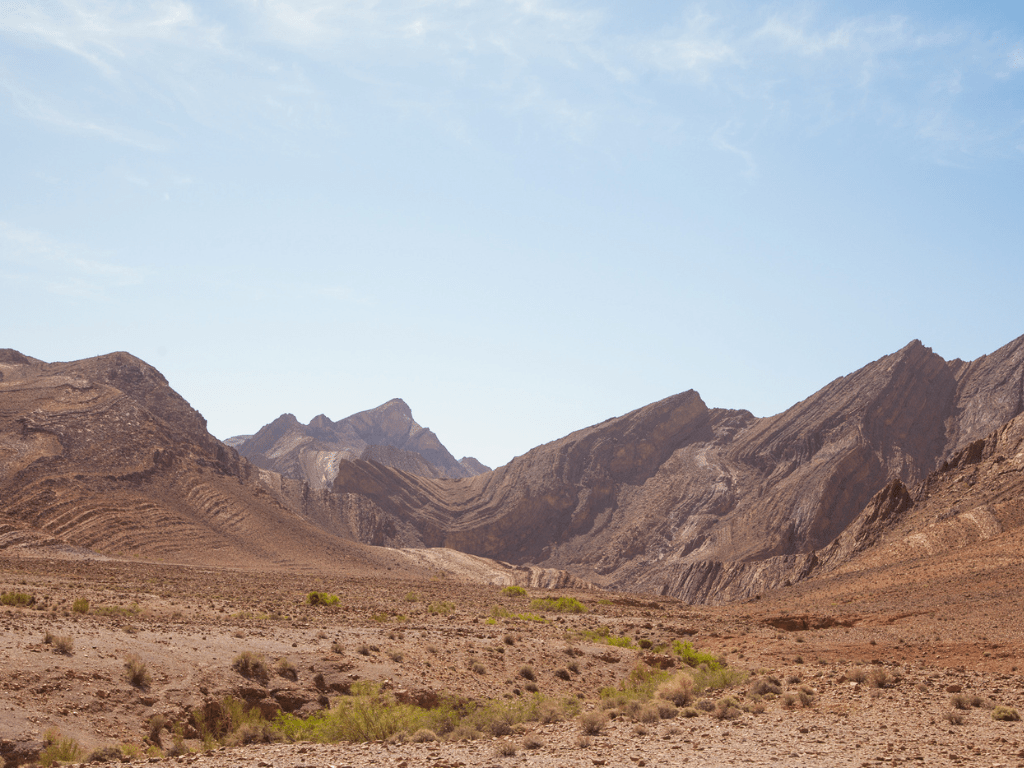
(708, 504)
(386, 435)
(103, 455)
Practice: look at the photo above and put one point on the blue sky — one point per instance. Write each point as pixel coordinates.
(521, 216)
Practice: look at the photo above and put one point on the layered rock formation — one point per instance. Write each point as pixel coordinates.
(706, 504)
(103, 455)
(387, 435)
(101, 458)
(908, 456)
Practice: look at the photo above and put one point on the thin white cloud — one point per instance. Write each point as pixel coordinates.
(61, 268)
(278, 69)
(34, 107)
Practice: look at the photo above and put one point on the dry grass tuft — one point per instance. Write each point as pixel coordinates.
(136, 672)
(592, 723)
(251, 665)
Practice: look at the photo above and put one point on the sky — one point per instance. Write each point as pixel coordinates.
(523, 217)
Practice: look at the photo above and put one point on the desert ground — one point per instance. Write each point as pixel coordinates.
(857, 672)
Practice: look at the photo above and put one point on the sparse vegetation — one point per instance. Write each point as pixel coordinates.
(604, 635)
(694, 658)
(533, 742)
(558, 605)
(959, 701)
(117, 610)
(22, 599)
(678, 690)
(136, 672)
(506, 749)
(286, 669)
(64, 644)
(81, 605)
(592, 723)
(514, 590)
(324, 599)
(59, 749)
(251, 665)
(527, 672)
(1005, 714)
(442, 608)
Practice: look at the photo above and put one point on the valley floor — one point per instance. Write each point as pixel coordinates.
(879, 684)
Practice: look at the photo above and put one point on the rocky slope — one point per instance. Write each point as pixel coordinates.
(676, 498)
(103, 455)
(705, 504)
(101, 458)
(387, 435)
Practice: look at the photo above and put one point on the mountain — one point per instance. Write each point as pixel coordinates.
(700, 503)
(103, 455)
(909, 458)
(387, 435)
(101, 458)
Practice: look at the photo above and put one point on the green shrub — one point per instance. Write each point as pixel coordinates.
(694, 658)
(705, 679)
(1006, 714)
(558, 605)
(368, 715)
(603, 635)
(229, 721)
(59, 749)
(17, 598)
(641, 684)
(81, 605)
(117, 610)
(531, 617)
(325, 599)
(442, 608)
(513, 591)
(412, 597)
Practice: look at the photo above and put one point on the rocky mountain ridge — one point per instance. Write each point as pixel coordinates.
(706, 504)
(387, 435)
(675, 498)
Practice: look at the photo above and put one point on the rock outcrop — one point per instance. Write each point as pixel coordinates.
(709, 504)
(101, 455)
(387, 435)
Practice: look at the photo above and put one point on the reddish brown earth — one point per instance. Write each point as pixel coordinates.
(188, 624)
(874, 526)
